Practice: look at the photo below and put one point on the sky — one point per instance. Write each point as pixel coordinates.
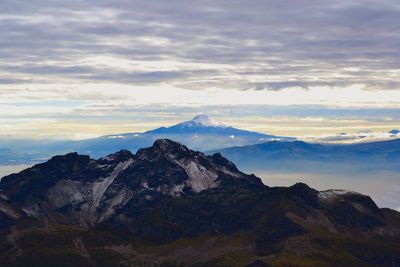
(77, 69)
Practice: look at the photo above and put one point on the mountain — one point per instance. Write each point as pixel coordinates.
(199, 124)
(384, 152)
(200, 133)
(202, 124)
(168, 205)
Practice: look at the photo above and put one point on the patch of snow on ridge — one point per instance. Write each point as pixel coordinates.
(116, 137)
(334, 193)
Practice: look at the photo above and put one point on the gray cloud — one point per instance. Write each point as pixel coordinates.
(171, 112)
(281, 44)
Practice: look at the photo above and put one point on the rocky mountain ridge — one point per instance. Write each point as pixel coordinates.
(91, 190)
(168, 205)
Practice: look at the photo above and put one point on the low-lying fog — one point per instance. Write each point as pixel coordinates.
(8, 169)
(382, 183)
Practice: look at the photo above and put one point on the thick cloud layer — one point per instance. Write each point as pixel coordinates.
(254, 44)
(66, 63)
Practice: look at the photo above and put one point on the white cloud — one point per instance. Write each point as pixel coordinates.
(351, 137)
(353, 96)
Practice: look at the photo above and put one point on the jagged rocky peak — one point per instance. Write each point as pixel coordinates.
(192, 171)
(305, 192)
(169, 146)
(68, 160)
(122, 155)
(163, 148)
(92, 191)
(44, 174)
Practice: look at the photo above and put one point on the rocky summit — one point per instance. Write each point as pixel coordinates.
(168, 205)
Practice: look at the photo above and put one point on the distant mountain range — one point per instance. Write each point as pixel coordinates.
(168, 205)
(268, 153)
(249, 150)
(200, 133)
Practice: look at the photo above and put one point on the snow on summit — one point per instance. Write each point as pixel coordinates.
(202, 121)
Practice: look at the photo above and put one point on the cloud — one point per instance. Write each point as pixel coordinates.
(172, 59)
(82, 118)
(269, 45)
(353, 138)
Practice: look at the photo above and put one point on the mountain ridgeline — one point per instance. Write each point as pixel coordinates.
(200, 133)
(168, 205)
(299, 154)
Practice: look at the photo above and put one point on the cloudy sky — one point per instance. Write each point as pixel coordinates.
(73, 68)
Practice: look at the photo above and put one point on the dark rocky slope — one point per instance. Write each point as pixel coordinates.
(170, 206)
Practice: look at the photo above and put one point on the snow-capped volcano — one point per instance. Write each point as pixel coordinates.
(203, 125)
(202, 121)
(201, 133)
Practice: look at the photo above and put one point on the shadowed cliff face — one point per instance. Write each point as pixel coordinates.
(169, 204)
